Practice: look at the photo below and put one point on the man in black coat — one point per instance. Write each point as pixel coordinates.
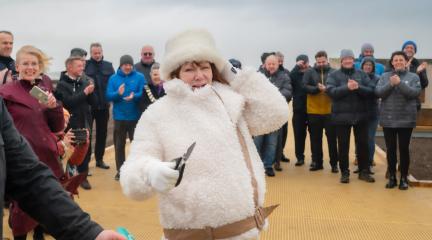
(299, 120)
(100, 71)
(27, 180)
(349, 90)
(75, 91)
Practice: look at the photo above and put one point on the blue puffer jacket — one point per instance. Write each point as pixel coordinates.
(379, 68)
(134, 82)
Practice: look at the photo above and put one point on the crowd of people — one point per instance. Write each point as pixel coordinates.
(237, 116)
(357, 96)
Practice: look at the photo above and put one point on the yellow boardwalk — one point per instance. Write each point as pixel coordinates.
(314, 205)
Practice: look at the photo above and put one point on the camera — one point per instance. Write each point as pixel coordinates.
(80, 135)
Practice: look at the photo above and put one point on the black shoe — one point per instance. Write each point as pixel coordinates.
(86, 185)
(285, 159)
(334, 169)
(392, 182)
(101, 164)
(117, 177)
(299, 163)
(269, 172)
(357, 170)
(345, 177)
(365, 176)
(403, 185)
(312, 164)
(316, 168)
(277, 167)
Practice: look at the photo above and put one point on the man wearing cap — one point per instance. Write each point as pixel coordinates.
(367, 50)
(125, 89)
(299, 120)
(349, 90)
(100, 71)
(75, 90)
(414, 65)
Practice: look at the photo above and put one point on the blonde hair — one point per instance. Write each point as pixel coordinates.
(43, 59)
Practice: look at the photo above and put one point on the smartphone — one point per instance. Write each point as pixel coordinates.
(39, 94)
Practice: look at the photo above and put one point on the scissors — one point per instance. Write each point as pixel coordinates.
(181, 162)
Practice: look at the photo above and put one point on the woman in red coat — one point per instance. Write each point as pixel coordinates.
(36, 120)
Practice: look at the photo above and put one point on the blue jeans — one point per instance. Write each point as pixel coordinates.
(372, 127)
(266, 147)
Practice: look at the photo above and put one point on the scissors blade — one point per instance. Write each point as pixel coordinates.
(189, 151)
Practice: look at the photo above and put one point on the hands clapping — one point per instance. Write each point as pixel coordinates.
(352, 85)
(394, 80)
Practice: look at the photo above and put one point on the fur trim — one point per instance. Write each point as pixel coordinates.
(188, 46)
(266, 109)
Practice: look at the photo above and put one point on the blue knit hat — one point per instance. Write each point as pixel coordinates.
(409, 42)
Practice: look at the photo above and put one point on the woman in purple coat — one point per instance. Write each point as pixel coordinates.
(36, 120)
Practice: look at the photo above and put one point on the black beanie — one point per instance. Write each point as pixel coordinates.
(126, 59)
(302, 57)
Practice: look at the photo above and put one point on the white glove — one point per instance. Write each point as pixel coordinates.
(162, 175)
(229, 72)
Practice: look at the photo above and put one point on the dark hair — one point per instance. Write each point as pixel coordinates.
(236, 63)
(397, 53)
(217, 76)
(321, 54)
(265, 55)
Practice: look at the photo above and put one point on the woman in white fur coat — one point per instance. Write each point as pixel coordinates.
(220, 108)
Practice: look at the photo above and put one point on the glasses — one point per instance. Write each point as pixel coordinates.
(147, 54)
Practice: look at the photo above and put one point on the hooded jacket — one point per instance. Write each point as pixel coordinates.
(379, 68)
(372, 102)
(216, 187)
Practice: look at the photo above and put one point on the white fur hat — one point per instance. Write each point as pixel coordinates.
(190, 45)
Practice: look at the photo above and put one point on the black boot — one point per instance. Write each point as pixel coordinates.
(345, 177)
(300, 162)
(101, 164)
(316, 167)
(269, 172)
(392, 181)
(285, 159)
(365, 176)
(277, 166)
(403, 185)
(334, 169)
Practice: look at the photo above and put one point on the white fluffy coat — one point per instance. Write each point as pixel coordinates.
(216, 187)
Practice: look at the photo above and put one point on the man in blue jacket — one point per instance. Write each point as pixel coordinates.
(125, 89)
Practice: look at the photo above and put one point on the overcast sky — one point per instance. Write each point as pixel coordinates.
(242, 29)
